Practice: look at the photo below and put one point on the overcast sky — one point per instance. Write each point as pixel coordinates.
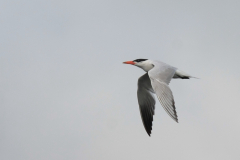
(65, 94)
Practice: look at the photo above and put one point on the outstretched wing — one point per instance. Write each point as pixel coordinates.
(146, 101)
(160, 76)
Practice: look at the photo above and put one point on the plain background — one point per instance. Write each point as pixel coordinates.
(65, 94)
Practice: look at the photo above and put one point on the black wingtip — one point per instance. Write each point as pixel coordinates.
(149, 131)
(149, 134)
(176, 120)
(185, 77)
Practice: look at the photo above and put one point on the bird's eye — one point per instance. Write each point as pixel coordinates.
(139, 60)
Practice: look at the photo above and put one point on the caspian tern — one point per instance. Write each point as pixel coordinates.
(156, 81)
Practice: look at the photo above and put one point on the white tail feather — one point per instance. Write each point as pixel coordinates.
(181, 74)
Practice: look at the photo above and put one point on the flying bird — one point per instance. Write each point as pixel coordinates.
(156, 81)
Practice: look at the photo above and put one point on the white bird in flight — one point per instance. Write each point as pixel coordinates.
(156, 81)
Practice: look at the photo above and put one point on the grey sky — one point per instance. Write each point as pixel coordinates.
(65, 94)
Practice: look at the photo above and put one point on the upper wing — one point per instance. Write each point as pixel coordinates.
(160, 76)
(146, 102)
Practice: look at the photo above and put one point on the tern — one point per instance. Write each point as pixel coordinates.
(156, 81)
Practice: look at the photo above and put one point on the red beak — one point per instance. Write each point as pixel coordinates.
(129, 62)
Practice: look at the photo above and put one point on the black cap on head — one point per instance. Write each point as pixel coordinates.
(139, 60)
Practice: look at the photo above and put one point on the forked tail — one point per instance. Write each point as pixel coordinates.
(182, 75)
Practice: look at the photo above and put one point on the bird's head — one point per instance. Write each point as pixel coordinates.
(145, 64)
